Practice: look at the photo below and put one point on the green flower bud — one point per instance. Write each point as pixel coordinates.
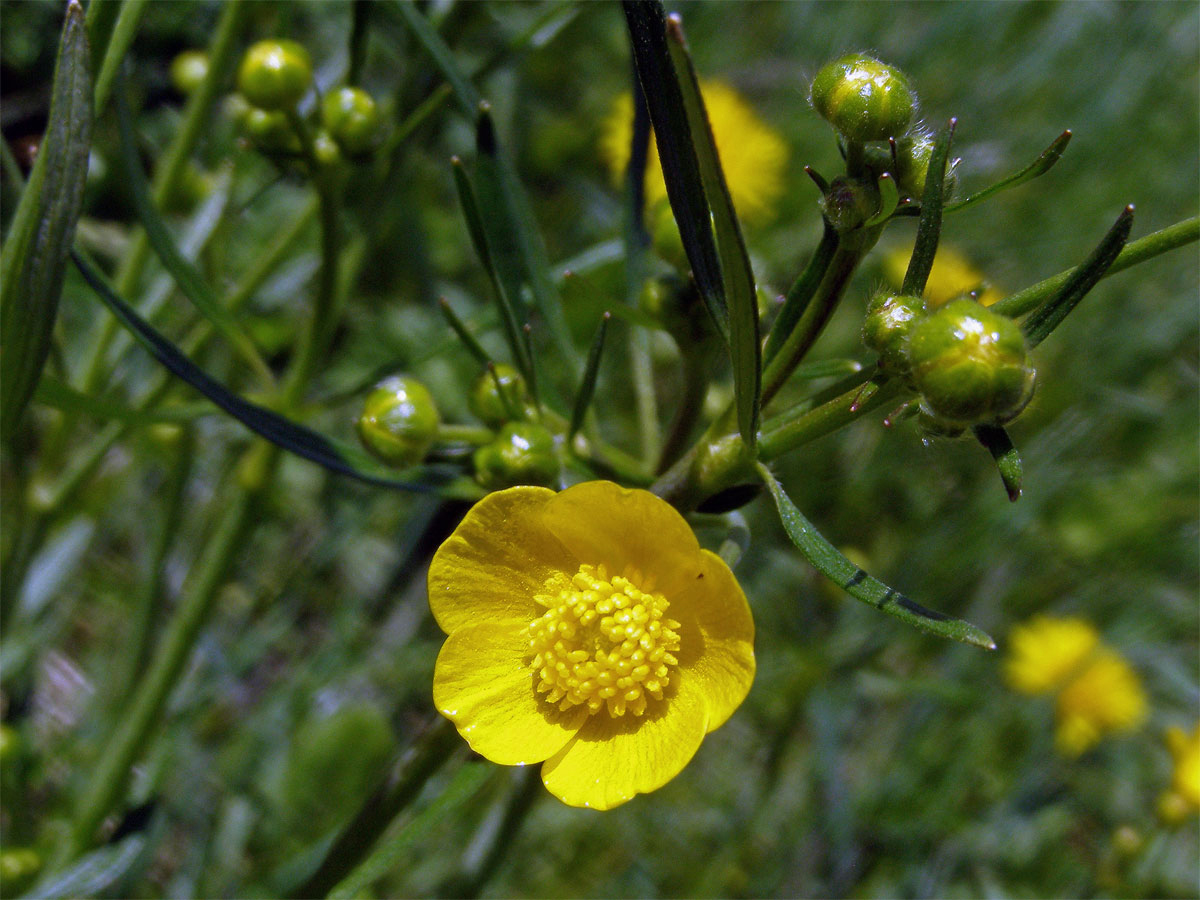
(889, 319)
(275, 74)
(269, 131)
(863, 98)
(970, 364)
(523, 453)
(849, 203)
(352, 118)
(399, 421)
(326, 149)
(18, 866)
(188, 70)
(486, 402)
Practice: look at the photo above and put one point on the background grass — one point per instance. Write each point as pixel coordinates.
(868, 760)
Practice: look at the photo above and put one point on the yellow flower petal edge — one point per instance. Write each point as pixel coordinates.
(587, 629)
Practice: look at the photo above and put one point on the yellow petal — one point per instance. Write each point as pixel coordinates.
(717, 642)
(626, 529)
(483, 684)
(496, 560)
(612, 760)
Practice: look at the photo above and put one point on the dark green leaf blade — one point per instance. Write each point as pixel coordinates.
(468, 98)
(587, 389)
(1040, 166)
(1050, 314)
(929, 226)
(827, 560)
(737, 277)
(185, 274)
(681, 170)
(801, 292)
(337, 456)
(34, 256)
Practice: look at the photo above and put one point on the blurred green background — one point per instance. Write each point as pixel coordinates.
(868, 760)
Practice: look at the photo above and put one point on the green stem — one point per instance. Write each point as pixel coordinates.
(515, 813)
(801, 292)
(788, 431)
(432, 749)
(1169, 238)
(118, 47)
(829, 292)
(697, 370)
(111, 774)
(146, 604)
(170, 171)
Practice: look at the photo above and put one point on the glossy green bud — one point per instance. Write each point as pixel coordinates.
(352, 118)
(863, 98)
(188, 70)
(485, 401)
(886, 326)
(275, 74)
(399, 421)
(970, 364)
(910, 164)
(18, 866)
(523, 453)
(269, 131)
(326, 149)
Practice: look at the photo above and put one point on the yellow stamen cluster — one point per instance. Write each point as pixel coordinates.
(604, 643)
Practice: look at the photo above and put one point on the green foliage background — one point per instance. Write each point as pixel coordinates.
(868, 760)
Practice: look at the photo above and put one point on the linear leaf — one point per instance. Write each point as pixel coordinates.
(464, 334)
(479, 238)
(681, 170)
(468, 98)
(189, 279)
(337, 456)
(801, 292)
(1040, 166)
(34, 257)
(1050, 314)
(737, 277)
(827, 560)
(587, 388)
(465, 784)
(929, 226)
(56, 393)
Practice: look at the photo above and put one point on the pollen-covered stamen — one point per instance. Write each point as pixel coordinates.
(603, 642)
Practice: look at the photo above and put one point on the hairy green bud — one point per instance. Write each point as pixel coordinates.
(886, 326)
(863, 98)
(523, 453)
(399, 421)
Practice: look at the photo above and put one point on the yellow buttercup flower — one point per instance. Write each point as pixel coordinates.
(1183, 797)
(1105, 697)
(753, 155)
(952, 276)
(588, 631)
(1046, 651)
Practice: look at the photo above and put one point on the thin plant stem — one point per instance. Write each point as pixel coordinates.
(521, 801)
(116, 51)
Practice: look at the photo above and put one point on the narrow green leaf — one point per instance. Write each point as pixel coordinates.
(466, 783)
(929, 226)
(1050, 314)
(828, 368)
(827, 560)
(587, 387)
(189, 279)
(996, 441)
(60, 395)
(34, 256)
(737, 276)
(468, 98)
(464, 334)
(97, 872)
(681, 170)
(337, 456)
(116, 50)
(504, 301)
(889, 199)
(1040, 166)
(801, 293)
(514, 238)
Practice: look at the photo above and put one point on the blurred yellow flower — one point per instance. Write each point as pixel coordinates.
(1105, 697)
(1183, 797)
(952, 276)
(1046, 651)
(588, 631)
(753, 155)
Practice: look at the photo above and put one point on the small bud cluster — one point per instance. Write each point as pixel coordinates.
(272, 80)
(969, 364)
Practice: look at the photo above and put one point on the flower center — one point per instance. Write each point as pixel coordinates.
(604, 643)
